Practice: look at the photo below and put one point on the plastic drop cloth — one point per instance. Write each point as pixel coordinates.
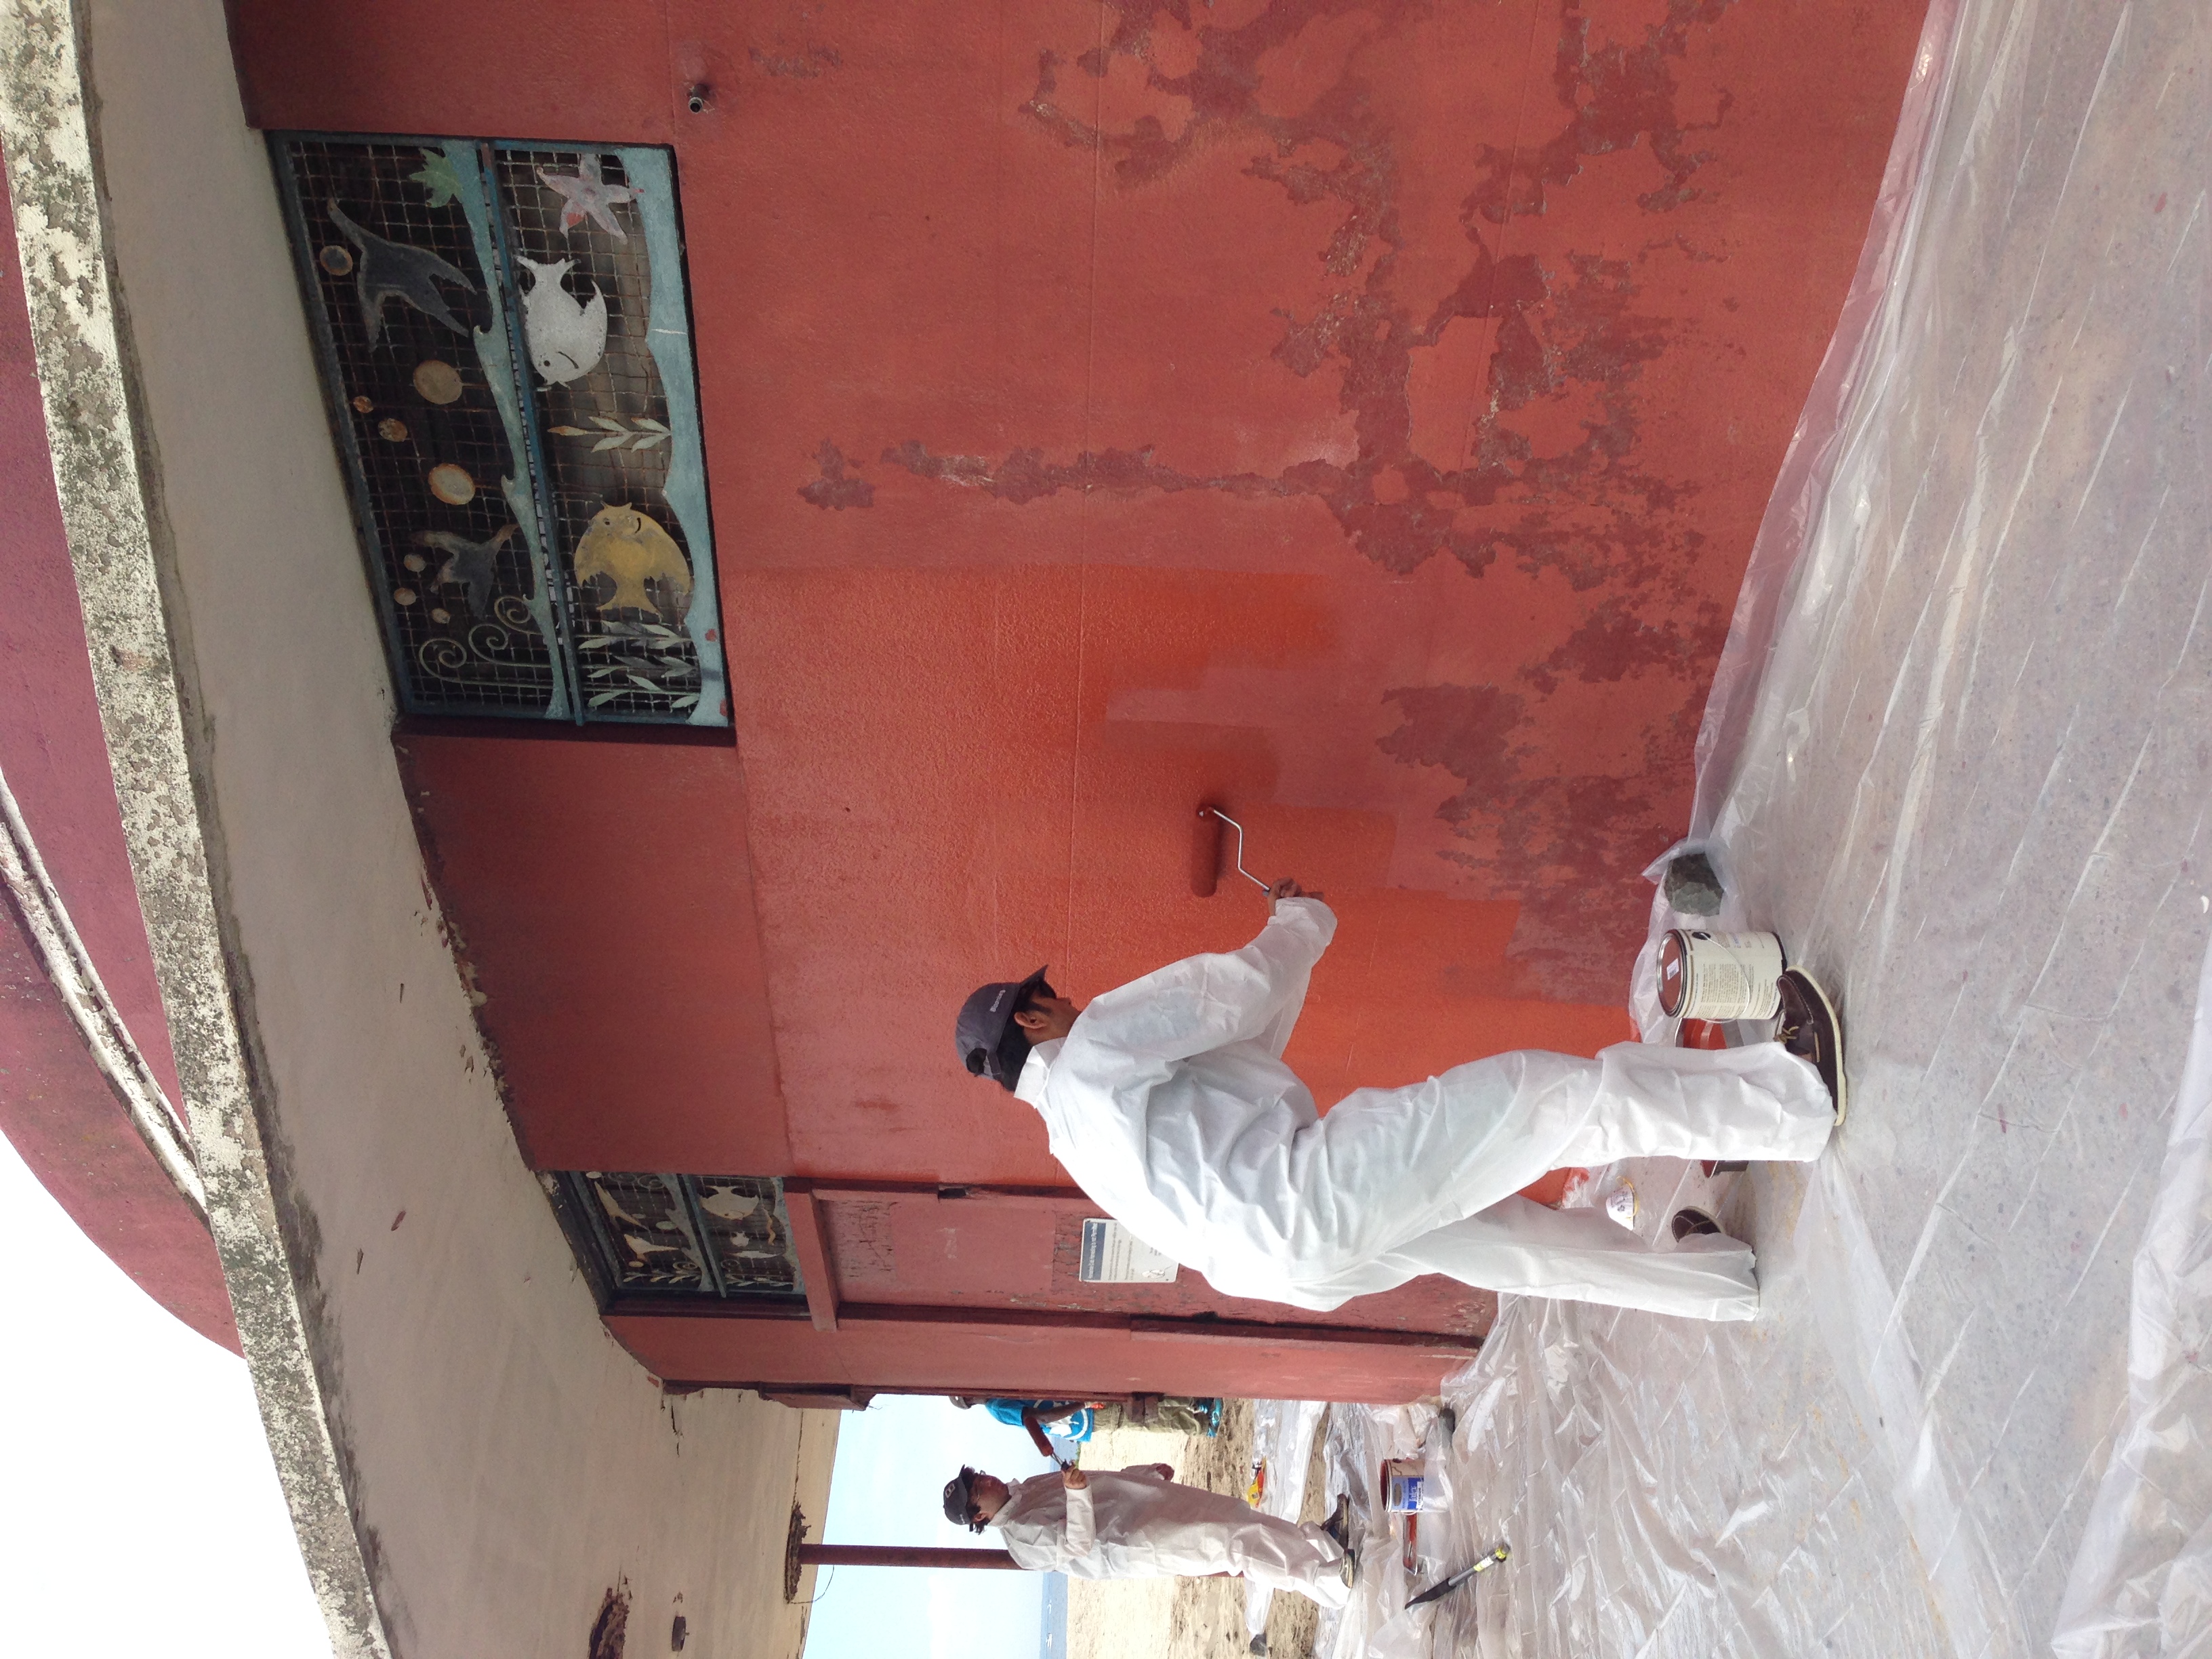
(1283, 1440)
(1958, 755)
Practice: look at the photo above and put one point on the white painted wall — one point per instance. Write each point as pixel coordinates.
(507, 1462)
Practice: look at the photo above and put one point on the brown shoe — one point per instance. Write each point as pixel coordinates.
(1810, 1030)
(1693, 1223)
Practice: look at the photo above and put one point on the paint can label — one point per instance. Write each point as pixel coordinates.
(1717, 977)
(1401, 1485)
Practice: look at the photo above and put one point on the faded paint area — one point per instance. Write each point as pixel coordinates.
(437, 1387)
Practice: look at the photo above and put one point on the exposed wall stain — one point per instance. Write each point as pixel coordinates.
(804, 64)
(611, 1630)
(1025, 476)
(1616, 641)
(1616, 97)
(1565, 843)
(836, 487)
(1466, 729)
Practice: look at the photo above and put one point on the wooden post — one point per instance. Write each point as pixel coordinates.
(896, 1555)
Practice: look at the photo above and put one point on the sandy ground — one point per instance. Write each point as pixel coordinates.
(1186, 1618)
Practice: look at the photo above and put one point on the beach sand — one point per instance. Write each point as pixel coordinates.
(1186, 1618)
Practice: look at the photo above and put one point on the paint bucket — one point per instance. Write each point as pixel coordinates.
(1719, 975)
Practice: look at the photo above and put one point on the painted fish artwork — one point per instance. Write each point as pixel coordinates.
(393, 271)
(474, 565)
(567, 340)
(584, 195)
(627, 547)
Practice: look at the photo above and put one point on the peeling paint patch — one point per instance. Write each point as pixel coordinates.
(1498, 414)
(1575, 326)
(1616, 97)
(1571, 847)
(1616, 641)
(837, 487)
(1466, 729)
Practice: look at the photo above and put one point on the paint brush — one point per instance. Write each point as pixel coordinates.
(1445, 1587)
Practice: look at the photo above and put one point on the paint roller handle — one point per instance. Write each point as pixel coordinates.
(1038, 1438)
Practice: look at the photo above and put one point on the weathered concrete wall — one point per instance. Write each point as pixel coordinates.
(58, 1108)
(507, 1465)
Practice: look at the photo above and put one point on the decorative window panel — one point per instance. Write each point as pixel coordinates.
(680, 1235)
(505, 339)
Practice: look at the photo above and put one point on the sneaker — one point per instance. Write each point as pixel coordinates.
(1693, 1223)
(1809, 1029)
(1338, 1524)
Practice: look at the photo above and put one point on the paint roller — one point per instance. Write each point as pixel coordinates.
(1042, 1441)
(1205, 853)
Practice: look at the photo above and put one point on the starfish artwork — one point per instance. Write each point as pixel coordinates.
(473, 565)
(584, 195)
(393, 271)
(439, 177)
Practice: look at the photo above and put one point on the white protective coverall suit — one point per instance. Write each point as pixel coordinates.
(1170, 1105)
(1136, 1524)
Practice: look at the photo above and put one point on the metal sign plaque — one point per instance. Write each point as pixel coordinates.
(1112, 1254)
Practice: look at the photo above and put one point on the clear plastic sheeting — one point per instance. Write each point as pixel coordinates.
(1959, 756)
(1283, 1433)
(2142, 1582)
(1360, 1440)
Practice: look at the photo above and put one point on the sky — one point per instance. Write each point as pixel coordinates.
(887, 1487)
(139, 1509)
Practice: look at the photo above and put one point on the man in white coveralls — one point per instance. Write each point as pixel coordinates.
(1141, 1523)
(1168, 1103)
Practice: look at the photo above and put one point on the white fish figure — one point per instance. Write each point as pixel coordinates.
(567, 340)
(728, 1204)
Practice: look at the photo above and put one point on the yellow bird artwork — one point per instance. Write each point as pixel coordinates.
(627, 547)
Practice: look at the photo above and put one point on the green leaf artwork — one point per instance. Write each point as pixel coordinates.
(438, 177)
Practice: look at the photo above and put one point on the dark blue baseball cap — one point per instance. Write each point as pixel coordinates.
(991, 1044)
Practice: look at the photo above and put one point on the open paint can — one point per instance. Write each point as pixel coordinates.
(1719, 975)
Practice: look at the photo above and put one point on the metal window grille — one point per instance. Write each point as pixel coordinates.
(505, 338)
(652, 1235)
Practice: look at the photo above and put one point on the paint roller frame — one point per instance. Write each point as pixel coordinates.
(1205, 853)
